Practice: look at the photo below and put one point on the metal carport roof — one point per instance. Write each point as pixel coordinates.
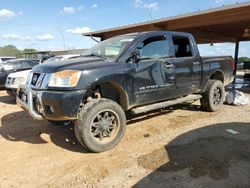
(223, 24)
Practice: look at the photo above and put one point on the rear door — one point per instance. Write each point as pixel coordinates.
(154, 75)
(188, 68)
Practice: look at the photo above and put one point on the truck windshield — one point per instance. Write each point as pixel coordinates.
(110, 49)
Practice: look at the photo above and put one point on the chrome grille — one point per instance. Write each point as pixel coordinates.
(36, 79)
(10, 81)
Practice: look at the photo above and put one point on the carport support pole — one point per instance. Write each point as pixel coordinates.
(236, 55)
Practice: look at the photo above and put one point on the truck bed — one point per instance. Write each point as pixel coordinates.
(224, 64)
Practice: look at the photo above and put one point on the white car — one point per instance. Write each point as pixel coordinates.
(15, 79)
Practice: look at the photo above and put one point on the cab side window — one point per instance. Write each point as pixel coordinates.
(182, 46)
(154, 47)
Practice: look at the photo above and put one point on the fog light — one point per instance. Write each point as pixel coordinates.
(24, 98)
(39, 108)
(52, 109)
(49, 109)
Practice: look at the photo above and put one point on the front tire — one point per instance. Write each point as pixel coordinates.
(213, 98)
(101, 125)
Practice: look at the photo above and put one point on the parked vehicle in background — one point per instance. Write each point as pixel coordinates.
(61, 58)
(6, 58)
(133, 73)
(246, 67)
(14, 66)
(15, 79)
(45, 57)
(240, 65)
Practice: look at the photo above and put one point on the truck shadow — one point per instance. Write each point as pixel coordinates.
(7, 99)
(210, 152)
(140, 117)
(20, 126)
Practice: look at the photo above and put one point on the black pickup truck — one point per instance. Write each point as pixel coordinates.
(133, 73)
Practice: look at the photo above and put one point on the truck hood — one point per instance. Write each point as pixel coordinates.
(23, 74)
(83, 63)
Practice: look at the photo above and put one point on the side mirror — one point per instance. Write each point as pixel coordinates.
(136, 56)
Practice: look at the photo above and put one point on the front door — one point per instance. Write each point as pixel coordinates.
(154, 72)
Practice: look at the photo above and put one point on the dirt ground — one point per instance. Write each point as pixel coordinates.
(176, 147)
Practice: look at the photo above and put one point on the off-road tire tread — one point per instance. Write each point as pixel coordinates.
(82, 124)
(206, 103)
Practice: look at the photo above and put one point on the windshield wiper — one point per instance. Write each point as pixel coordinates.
(94, 55)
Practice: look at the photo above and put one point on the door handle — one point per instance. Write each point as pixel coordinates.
(196, 63)
(168, 66)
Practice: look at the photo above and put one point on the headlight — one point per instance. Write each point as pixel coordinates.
(67, 78)
(19, 80)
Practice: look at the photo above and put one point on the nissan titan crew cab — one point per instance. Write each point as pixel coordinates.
(133, 73)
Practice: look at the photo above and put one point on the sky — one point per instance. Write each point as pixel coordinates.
(58, 24)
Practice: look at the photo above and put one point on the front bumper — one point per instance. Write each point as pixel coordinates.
(50, 105)
(10, 90)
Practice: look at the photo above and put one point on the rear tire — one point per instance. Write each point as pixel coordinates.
(101, 125)
(213, 98)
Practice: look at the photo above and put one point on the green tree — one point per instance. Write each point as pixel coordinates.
(9, 50)
(29, 50)
(244, 59)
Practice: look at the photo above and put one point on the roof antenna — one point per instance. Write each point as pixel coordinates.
(150, 14)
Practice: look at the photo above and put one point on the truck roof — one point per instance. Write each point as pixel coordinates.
(153, 32)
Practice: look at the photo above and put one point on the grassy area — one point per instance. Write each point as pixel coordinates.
(244, 59)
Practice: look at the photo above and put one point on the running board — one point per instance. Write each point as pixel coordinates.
(165, 104)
